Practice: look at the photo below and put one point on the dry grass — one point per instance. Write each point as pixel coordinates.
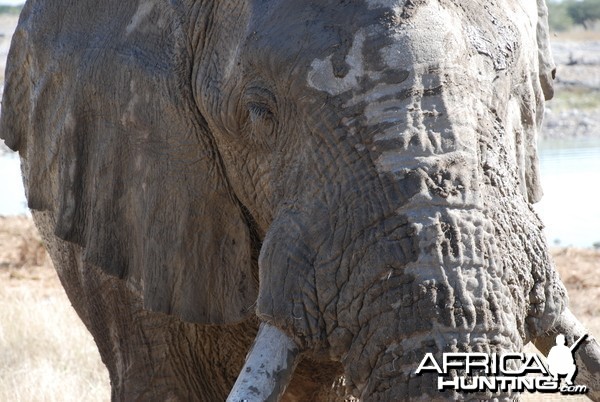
(46, 352)
(48, 355)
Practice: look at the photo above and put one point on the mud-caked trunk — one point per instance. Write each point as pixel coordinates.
(467, 268)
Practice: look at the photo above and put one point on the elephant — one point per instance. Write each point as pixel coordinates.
(291, 199)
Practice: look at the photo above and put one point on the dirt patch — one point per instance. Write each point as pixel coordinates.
(579, 269)
(22, 255)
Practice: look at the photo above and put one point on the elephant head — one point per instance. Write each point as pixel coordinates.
(358, 175)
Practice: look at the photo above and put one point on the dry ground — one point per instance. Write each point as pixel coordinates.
(577, 35)
(46, 354)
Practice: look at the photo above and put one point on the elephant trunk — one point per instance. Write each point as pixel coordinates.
(459, 261)
(453, 298)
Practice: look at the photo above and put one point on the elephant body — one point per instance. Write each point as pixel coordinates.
(355, 177)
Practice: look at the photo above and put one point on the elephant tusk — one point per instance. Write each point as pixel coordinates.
(587, 356)
(268, 369)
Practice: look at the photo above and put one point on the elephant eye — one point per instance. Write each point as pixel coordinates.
(260, 120)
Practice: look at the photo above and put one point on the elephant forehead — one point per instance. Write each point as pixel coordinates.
(420, 35)
(291, 34)
(394, 48)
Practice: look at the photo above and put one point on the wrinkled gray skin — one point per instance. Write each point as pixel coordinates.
(357, 174)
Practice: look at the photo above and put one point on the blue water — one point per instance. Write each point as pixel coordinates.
(570, 208)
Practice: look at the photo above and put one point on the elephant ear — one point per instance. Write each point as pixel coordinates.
(525, 109)
(547, 68)
(99, 106)
(532, 116)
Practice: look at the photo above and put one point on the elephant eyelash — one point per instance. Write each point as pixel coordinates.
(260, 124)
(259, 112)
(260, 119)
